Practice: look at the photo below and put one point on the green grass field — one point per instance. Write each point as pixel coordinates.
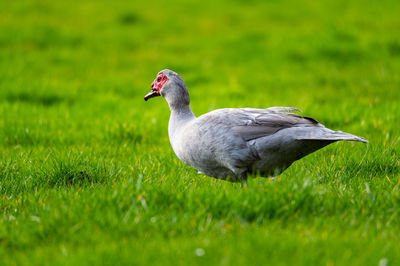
(87, 174)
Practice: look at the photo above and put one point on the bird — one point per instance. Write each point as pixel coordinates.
(235, 143)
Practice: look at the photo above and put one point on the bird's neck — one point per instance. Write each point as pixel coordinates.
(180, 116)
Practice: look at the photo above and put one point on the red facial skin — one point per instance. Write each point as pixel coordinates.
(159, 82)
(156, 86)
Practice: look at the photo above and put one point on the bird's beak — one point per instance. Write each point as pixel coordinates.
(151, 94)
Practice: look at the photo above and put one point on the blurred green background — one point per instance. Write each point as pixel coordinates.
(87, 175)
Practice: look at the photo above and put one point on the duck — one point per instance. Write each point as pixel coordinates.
(235, 143)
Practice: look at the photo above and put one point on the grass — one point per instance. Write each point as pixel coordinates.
(87, 175)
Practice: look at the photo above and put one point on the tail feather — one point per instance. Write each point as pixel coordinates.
(335, 136)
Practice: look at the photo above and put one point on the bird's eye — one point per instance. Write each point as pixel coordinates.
(158, 79)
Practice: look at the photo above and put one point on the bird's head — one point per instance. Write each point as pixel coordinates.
(169, 85)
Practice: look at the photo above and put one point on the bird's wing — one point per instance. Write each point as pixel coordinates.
(251, 123)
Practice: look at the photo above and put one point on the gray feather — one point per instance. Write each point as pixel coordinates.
(283, 109)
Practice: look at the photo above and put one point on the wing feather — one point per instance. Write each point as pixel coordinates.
(252, 123)
(256, 123)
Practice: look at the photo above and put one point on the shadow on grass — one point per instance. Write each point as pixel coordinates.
(394, 48)
(129, 19)
(341, 55)
(37, 99)
(375, 168)
(19, 175)
(366, 169)
(75, 171)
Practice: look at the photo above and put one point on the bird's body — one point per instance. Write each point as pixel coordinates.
(234, 142)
